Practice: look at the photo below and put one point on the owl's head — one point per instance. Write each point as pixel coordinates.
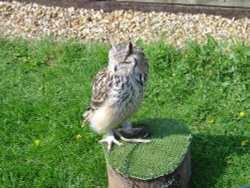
(119, 52)
(126, 58)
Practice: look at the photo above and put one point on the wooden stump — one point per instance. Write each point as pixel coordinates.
(164, 162)
(179, 178)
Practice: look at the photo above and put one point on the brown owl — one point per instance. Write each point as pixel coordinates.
(117, 92)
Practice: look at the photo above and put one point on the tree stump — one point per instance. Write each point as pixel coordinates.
(164, 162)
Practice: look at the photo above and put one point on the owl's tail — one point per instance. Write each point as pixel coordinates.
(86, 117)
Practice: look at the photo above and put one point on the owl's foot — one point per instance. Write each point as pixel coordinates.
(138, 140)
(110, 139)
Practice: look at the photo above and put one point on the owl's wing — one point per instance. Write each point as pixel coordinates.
(101, 88)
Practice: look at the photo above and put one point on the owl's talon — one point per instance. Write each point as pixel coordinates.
(110, 140)
(136, 140)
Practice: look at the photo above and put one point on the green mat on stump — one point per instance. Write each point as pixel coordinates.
(170, 140)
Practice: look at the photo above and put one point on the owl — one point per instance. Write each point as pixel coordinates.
(117, 93)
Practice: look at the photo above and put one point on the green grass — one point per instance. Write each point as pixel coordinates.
(45, 85)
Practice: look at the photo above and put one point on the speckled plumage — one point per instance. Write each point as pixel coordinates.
(118, 89)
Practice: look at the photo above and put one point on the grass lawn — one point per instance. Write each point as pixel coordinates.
(45, 85)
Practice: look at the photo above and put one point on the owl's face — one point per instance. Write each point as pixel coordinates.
(119, 52)
(126, 59)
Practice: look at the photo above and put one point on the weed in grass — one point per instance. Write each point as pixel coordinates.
(45, 85)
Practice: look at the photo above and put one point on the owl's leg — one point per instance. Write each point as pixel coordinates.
(110, 139)
(127, 128)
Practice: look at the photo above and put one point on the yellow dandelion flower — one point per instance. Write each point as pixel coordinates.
(78, 137)
(244, 142)
(242, 114)
(37, 142)
(211, 121)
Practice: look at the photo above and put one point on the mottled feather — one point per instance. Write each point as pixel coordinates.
(100, 89)
(118, 89)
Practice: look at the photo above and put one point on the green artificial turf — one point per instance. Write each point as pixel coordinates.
(45, 85)
(169, 144)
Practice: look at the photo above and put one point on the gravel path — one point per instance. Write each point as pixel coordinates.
(32, 20)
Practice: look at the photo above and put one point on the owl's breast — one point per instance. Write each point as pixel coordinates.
(123, 101)
(126, 97)
(127, 90)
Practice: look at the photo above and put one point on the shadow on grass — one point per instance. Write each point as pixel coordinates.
(163, 127)
(209, 153)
